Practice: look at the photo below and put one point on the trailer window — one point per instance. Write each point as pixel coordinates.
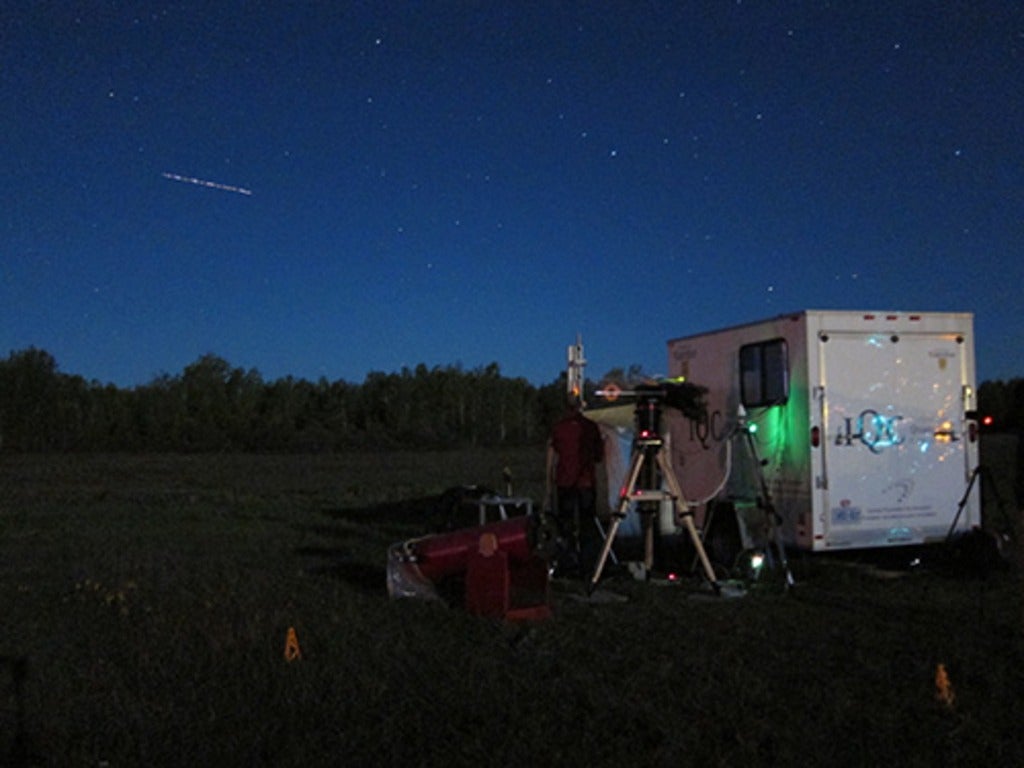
(764, 373)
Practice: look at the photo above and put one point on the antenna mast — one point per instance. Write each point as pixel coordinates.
(576, 362)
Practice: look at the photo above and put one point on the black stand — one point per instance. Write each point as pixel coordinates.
(773, 519)
(981, 475)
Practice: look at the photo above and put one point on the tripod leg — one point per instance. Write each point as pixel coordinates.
(772, 517)
(618, 517)
(709, 571)
(780, 548)
(605, 550)
(963, 503)
(603, 533)
(686, 515)
(647, 523)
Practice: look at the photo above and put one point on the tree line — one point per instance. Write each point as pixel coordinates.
(1003, 403)
(214, 406)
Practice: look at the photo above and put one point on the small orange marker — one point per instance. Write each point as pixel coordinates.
(943, 687)
(291, 646)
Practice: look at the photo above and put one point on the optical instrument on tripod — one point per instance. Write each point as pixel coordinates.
(650, 459)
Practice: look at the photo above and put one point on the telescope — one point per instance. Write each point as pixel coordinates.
(677, 394)
(501, 568)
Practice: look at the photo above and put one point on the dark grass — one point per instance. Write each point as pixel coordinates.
(145, 603)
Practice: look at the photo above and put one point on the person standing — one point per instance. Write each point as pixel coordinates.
(574, 450)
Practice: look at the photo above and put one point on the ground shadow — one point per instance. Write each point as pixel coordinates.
(389, 522)
(457, 507)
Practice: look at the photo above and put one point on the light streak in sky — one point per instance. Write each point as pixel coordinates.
(205, 183)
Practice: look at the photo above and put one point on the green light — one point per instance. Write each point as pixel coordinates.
(752, 428)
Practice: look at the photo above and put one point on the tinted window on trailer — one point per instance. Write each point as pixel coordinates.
(764, 373)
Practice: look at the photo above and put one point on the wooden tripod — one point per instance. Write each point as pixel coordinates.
(650, 450)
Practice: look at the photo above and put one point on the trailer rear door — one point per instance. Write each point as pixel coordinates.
(896, 462)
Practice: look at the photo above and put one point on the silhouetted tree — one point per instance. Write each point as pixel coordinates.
(1004, 402)
(29, 394)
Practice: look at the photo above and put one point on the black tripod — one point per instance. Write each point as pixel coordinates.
(773, 519)
(981, 475)
(648, 455)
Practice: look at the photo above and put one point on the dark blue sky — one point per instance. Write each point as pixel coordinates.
(470, 182)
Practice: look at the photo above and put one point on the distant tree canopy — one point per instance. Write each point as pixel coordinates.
(213, 406)
(1003, 401)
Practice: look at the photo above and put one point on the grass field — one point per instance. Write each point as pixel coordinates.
(145, 603)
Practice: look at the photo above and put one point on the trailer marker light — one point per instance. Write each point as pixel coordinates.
(815, 436)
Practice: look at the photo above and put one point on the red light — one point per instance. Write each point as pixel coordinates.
(815, 437)
(987, 421)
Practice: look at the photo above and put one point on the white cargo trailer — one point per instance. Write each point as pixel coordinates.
(865, 430)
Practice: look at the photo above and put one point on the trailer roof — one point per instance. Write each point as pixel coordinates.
(878, 317)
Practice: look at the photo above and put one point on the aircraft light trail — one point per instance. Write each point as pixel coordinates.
(205, 183)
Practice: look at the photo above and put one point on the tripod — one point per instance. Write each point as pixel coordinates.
(772, 517)
(981, 475)
(649, 453)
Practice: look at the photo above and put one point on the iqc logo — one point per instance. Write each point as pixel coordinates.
(871, 428)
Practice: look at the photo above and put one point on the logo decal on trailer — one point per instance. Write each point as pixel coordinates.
(873, 429)
(943, 356)
(901, 488)
(845, 513)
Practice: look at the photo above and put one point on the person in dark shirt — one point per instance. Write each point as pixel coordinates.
(574, 450)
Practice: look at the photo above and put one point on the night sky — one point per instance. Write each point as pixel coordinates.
(333, 188)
